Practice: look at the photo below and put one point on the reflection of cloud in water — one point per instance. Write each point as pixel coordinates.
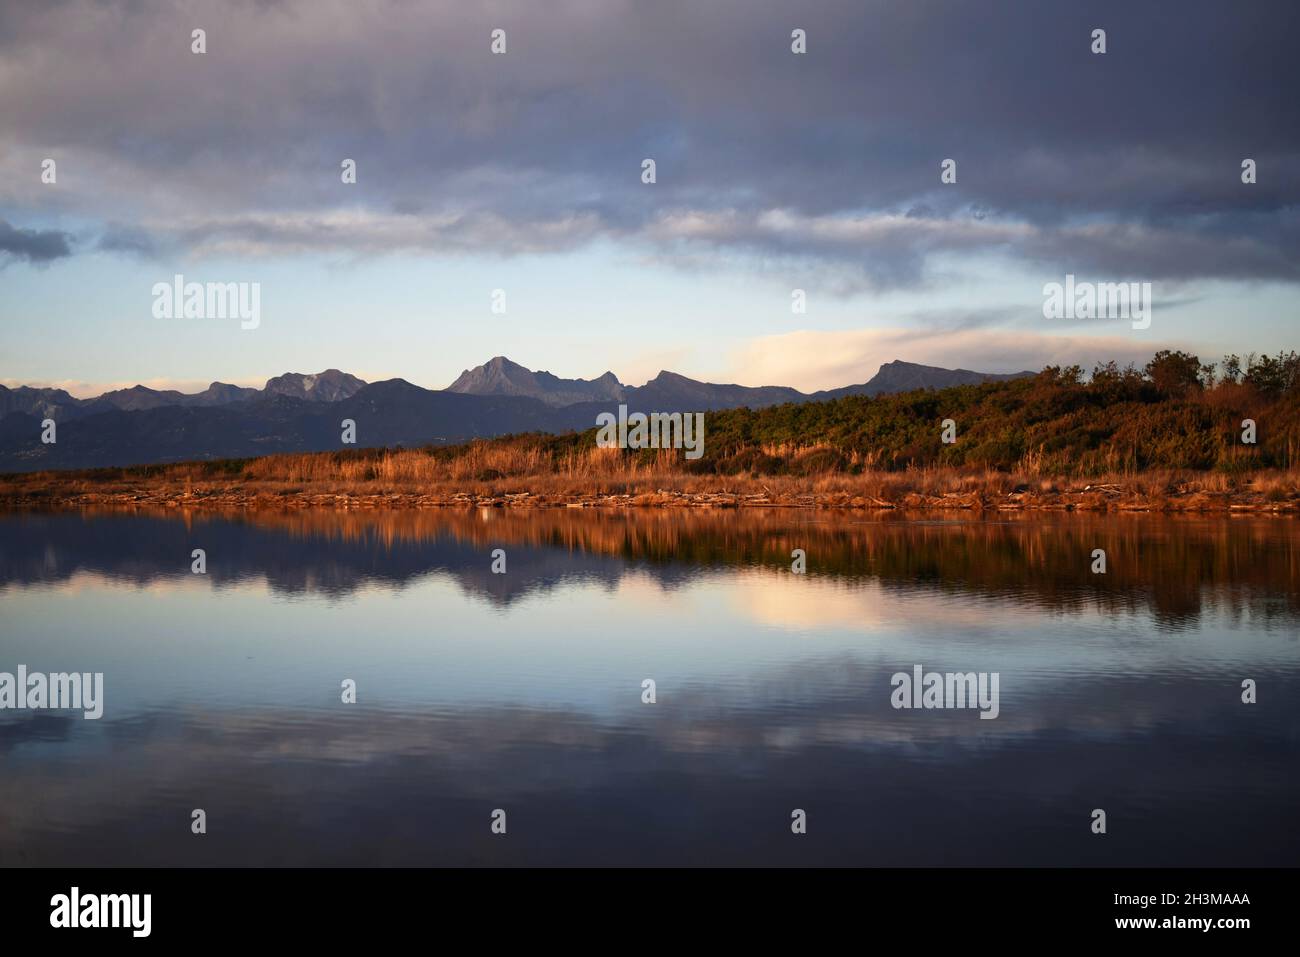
(963, 632)
(339, 786)
(522, 690)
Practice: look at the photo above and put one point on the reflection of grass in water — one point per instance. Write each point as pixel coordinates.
(1172, 566)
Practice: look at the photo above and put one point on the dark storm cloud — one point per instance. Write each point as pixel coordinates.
(32, 245)
(1127, 161)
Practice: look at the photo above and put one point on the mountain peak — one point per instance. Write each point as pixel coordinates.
(501, 376)
(898, 375)
(328, 386)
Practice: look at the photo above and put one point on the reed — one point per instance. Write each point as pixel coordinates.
(555, 470)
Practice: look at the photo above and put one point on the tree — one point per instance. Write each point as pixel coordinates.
(1208, 374)
(1273, 376)
(1174, 373)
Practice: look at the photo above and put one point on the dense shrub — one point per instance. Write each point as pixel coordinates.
(1172, 415)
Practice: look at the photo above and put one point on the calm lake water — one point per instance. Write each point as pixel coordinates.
(523, 691)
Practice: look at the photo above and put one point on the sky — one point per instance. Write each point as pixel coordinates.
(522, 171)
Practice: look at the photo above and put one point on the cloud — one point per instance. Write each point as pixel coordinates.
(32, 245)
(117, 238)
(1128, 161)
(365, 232)
(888, 249)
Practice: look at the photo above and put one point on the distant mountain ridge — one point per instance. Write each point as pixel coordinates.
(500, 376)
(669, 391)
(900, 376)
(328, 386)
(298, 412)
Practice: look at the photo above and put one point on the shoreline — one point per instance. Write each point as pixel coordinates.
(518, 475)
(1091, 498)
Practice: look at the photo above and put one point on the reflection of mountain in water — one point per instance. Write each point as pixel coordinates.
(146, 548)
(1173, 566)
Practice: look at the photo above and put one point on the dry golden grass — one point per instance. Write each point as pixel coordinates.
(526, 470)
(473, 461)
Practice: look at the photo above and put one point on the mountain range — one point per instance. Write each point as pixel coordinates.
(295, 412)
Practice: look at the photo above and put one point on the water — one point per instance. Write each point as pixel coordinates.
(523, 691)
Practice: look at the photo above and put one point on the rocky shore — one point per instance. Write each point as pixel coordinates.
(1093, 498)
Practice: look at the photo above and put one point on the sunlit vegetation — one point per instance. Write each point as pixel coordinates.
(1175, 428)
(1177, 413)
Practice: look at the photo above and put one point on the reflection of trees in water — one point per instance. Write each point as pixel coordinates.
(1172, 567)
